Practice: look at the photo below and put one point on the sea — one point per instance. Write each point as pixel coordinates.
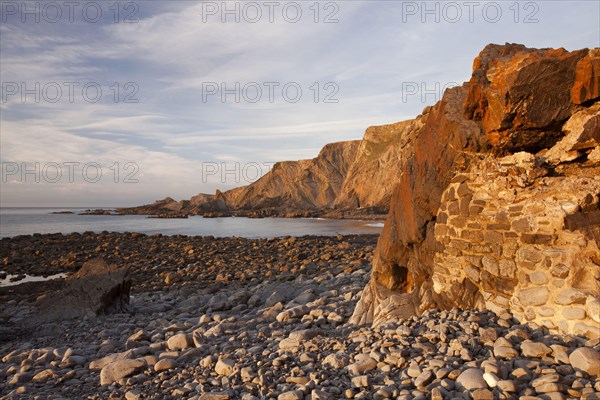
(27, 221)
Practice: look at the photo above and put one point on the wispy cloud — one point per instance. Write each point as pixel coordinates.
(172, 53)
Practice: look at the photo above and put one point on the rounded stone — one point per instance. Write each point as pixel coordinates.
(538, 278)
(586, 359)
(165, 364)
(537, 296)
(179, 342)
(570, 296)
(535, 349)
(592, 306)
(471, 379)
(573, 313)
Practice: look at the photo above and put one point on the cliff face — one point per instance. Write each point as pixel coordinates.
(346, 179)
(378, 165)
(476, 221)
(354, 178)
(300, 185)
(290, 188)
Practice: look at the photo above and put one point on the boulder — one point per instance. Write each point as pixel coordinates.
(582, 132)
(587, 78)
(225, 367)
(291, 395)
(179, 342)
(586, 359)
(535, 349)
(471, 379)
(97, 365)
(522, 96)
(97, 288)
(215, 396)
(336, 360)
(165, 364)
(361, 366)
(118, 370)
(220, 302)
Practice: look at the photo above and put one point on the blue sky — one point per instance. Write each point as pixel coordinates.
(154, 109)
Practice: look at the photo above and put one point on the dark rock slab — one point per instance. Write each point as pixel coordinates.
(97, 288)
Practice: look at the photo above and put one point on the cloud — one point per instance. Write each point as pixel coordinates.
(371, 53)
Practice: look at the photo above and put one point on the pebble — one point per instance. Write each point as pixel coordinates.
(471, 379)
(225, 367)
(534, 349)
(165, 364)
(120, 369)
(586, 359)
(291, 395)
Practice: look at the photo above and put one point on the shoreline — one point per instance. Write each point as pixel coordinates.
(43, 255)
(66, 224)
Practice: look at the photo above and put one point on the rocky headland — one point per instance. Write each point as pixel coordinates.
(498, 205)
(484, 284)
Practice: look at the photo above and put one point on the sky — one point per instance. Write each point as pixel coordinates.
(108, 104)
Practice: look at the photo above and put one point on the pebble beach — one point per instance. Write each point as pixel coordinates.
(264, 319)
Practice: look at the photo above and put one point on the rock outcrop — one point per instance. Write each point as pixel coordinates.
(498, 202)
(299, 185)
(522, 96)
(290, 188)
(378, 165)
(97, 288)
(353, 179)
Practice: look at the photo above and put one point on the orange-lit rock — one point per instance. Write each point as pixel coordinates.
(521, 96)
(469, 230)
(587, 78)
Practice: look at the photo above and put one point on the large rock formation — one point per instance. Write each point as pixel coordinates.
(520, 232)
(406, 244)
(299, 185)
(290, 188)
(97, 288)
(521, 96)
(377, 166)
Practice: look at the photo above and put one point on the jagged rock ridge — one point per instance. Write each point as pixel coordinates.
(347, 179)
(290, 188)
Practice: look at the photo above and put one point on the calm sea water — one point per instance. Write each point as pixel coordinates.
(26, 221)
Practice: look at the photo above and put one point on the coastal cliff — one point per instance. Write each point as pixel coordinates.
(493, 194)
(302, 188)
(498, 204)
(484, 283)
